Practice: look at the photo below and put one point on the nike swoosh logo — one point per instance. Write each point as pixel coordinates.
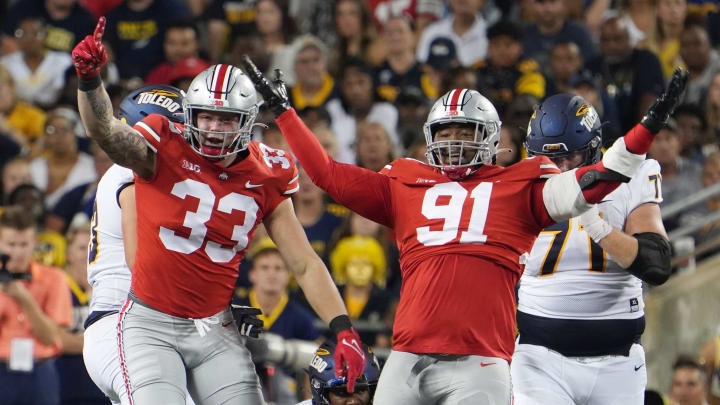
(225, 324)
(639, 367)
(248, 185)
(485, 364)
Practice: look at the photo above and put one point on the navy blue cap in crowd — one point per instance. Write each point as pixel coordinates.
(154, 99)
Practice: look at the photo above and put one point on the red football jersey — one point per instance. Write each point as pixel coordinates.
(196, 217)
(462, 248)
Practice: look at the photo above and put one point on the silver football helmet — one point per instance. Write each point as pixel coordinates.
(220, 88)
(462, 106)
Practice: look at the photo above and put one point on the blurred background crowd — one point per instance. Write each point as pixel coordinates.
(363, 75)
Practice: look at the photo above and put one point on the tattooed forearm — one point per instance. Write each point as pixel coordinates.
(123, 145)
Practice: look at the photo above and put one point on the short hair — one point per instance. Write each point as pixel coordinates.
(506, 28)
(693, 110)
(183, 23)
(16, 217)
(685, 361)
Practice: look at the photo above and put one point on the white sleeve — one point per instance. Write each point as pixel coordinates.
(646, 185)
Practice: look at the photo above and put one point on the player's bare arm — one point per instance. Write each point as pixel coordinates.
(622, 245)
(309, 270)
(314, 279)
(129, 223)
(124, 146)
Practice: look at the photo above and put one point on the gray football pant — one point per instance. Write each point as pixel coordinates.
(161, 355)
(422, 379)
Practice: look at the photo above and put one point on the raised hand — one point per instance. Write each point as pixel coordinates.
(89, 55)
(659, 112)
(274, 93)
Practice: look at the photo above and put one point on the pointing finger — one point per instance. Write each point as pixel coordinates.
(99, 30)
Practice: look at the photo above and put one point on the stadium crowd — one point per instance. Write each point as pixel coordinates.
(363, 76)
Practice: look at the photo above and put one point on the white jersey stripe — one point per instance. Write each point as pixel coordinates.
(149, 130)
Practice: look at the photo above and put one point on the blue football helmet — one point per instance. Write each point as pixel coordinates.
(323, 380)
(154, 99)
(565, 124)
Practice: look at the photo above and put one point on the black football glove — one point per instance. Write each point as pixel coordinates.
(247, 320)
(275, 93)
(659, 112)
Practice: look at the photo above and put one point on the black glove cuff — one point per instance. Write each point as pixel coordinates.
(89, 83)
(340, 323)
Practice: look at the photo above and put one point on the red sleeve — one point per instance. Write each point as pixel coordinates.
(361, 190)
(542, 217)
(151, 128)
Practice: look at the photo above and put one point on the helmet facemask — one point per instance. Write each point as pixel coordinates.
(218, 144)
(459, 158)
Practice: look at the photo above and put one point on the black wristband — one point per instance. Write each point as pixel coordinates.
(89, 83)
(340, 323)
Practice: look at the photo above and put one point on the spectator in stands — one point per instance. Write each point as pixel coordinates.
(710, 233)
(688, 382)
(400, 69)
(465, 27)
(183, 72)
(712, 113)
(77, 204)
(510, 147)
(665, 40)
(278, 31)
(326, 137)
(565, 61)
(358, 103)
(589, 86)
(38, 74)
(552, 26)
(421, 12)
(355, 34)
(373, 147)
(76, 387)
(280, 314)
(67, 22)
(359, 267)
(136, 30)
(710, 361)
(633, 77)
(20, 121)
(319, 220)
(315, 117)
(273, 138)
(314, 87)
(181, 42)
(442, 57)
(503, 75)
(691, 130)
(63, 167)
(251, 44)
(33, 308)
(32, 200)
(228, 19)
(640, 16)
(680, 176)
(14, 173)
(701, 60)
(413, 108)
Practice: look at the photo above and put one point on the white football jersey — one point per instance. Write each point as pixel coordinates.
(108, 273)
(570, 277)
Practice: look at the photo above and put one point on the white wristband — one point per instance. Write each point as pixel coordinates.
(594, 225)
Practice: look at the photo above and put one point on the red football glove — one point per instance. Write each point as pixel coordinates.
(349, 352)
(89, 55)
